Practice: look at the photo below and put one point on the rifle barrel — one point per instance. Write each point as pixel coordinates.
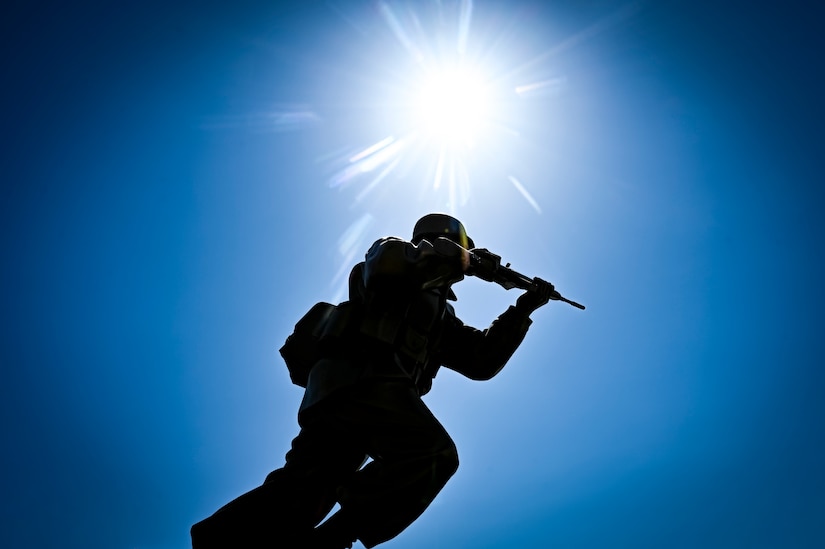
(525, 283)
(571, 302)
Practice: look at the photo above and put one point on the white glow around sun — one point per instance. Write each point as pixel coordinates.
(448, 111)
(451, 107)
(446, 114)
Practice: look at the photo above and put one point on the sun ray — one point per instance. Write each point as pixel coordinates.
(527, 196)
(368, 160)
(600, 26)
(350, 244)
(285, 118)
(439, 169)
(551, 86)
(377, 180)
(464, 26)
(400, 33)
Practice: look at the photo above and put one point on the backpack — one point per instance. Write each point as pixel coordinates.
(319, 330)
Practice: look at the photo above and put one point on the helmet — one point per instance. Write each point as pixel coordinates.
(431, 226)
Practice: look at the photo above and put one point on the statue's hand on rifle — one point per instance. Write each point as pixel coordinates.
(537, 296)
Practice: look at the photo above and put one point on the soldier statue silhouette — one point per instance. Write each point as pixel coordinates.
(365, 364)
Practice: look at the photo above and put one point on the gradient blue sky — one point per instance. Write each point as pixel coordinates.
(176, 193)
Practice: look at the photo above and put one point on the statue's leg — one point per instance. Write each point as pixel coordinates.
(283, 511)
(413, 458)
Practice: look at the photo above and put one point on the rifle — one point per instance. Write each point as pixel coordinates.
(486, 265)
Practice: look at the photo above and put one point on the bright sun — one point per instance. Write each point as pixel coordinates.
(452, 107)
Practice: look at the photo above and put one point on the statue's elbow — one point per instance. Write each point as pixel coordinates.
(487, 371)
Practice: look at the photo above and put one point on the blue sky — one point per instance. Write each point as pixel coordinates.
(180, 186)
